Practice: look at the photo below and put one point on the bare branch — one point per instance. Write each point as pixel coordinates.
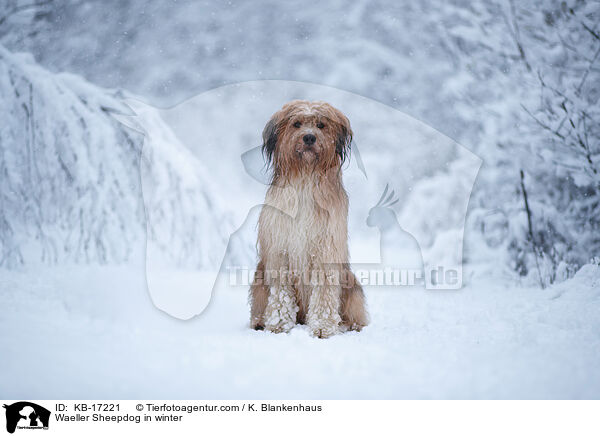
(530, 228)
(594, 34)
(21, 8)
(516, 34)
(544, 126)
(587, 72)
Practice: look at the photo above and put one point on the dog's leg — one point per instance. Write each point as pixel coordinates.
(353, 311)
(281, 310)
(280, 314)
(324, 305)
(259, 295)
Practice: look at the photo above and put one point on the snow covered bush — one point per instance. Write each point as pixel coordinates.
(534, 87)
(70, 187)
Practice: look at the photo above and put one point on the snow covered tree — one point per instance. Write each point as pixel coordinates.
(534, 86)
(70, 187)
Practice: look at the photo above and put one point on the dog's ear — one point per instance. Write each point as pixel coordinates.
(343, 142)
(269, 135)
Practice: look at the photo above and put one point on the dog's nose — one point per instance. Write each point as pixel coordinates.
(309, 139)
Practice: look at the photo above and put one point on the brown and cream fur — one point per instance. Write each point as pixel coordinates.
(303, 273)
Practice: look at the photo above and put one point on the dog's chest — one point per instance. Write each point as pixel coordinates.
(295, 223)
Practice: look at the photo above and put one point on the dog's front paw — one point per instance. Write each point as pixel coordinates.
(279, 325)
(324, 328)
(323, 322)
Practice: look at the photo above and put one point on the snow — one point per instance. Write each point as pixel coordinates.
(92, 332)
(78, 190)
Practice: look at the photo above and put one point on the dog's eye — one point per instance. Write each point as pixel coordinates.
(320, 125)
(297, 124)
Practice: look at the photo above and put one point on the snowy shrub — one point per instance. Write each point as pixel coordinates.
(70, 187)
(534, 86)
(68, 182)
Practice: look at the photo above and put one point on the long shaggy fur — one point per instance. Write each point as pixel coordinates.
(303, 274)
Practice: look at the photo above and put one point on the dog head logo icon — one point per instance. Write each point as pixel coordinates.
(24, 414)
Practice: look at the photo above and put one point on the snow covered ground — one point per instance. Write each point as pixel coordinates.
(93, 332)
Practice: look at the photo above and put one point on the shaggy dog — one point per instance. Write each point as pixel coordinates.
(303, 274)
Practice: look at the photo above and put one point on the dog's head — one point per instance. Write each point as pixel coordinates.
(306, 136)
